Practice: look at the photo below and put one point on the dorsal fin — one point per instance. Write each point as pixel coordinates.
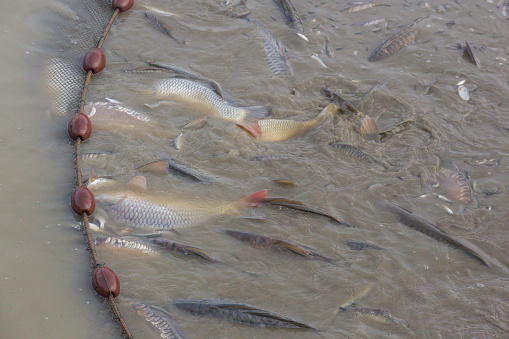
(137, 184)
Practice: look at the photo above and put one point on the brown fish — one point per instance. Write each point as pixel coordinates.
(455, 185)
(409, 219)
(264, 242)
(297, 205)
(395, 42)
(291, 14)
(182, 249)
(369, 130)
(280, 129)
(160, 26)
(357, 153)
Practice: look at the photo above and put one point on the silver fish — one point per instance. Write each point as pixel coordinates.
(160, 26)
(357, 153)
(239, 313)
(423, 226)
(176, 166)
(203, 98)
(275, 52)
(135, 208)
(124, 244)
(372, 22)
(182, 249)
(383, 315)
(362, 6)
(158, 318)
(270, 157)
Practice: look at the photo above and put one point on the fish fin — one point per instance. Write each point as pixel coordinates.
(294, 248)
(137, 184)
(159, 167)
(251, 126)
(329, 109)
(257, 112)
(369, 130)
(196, 124)
(252, 200)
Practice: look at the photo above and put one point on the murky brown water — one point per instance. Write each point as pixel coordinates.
(437, 290)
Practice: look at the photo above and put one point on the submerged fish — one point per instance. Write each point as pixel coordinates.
(124, 243)
(112, 117)
(297, 205)
(280, 129)
(182, 249)
(202, 98)
(357, 153)
(265, 242)
(362, 6)
(270, 157)
(275, 52)
(455, 185)
(395, 42)
(174, 165)
(355, 298)
(372, 22)
(160, 26)
(360, 245)
(158, 318)
(239, 313)
(383, 315)
(423, 226)
(135, 208)
(291, 14)
(340, 100)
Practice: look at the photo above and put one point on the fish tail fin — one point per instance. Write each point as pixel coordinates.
(251, 200)
(330, 109)
(252, 115)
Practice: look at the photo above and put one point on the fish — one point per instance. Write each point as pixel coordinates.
(213, 85)
(124, 244)
(339, 100)
(159, 319)
(360, 245)
(395, 42)
(259, 241)
(455, 185)
(176, 166)
(383, 315)
(96, 156)
(425, 227)
(159, 11)
(471, 54)
(357, 153)
(200, 97)
(369, 130)
(64, 78)
(182, 249)
(275, 52)
(317, 58)
(137, 209)
(284, 182)
(372, 22)
(112, 117)
(160, 26)
(291, 14)
(238, 313)
(282, 129)
(270, 157)
(355, 298)
(361, 7)
(297, 205)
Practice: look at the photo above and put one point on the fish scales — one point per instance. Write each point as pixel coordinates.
(239, 313)
(275, 53)
(161, 320)
(395, 42)
(357, 153)
(121, 243)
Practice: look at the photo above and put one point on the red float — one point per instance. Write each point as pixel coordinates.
(79, 126)
(82, 200)
(105, 281)
(122, 5)
(94, 60)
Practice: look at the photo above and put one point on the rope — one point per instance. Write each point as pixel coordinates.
(86, 226)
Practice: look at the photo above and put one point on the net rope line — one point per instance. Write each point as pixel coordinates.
(85, 226)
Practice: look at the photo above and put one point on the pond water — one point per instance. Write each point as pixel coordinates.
(436, 289)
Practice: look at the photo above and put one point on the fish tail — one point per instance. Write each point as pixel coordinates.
(251, 116)
(251, 200)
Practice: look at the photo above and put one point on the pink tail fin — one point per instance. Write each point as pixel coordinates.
(254, 199)
(251, 126)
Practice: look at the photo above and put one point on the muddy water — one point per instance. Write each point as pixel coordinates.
(437, 290)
